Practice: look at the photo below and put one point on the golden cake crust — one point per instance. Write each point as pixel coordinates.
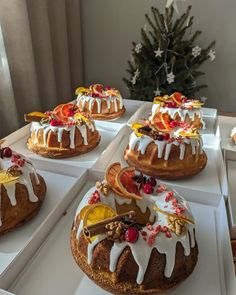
(109, 116)
(170, 169)
(123, 281)
(24, 210)
(57, 150)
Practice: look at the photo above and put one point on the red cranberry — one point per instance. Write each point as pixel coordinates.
(173, 124)
(55, 122)
(152, 181)
(166, 136)
(6, 152)
(148, 188)
(160, 137)
(70, 113)
(131, 234)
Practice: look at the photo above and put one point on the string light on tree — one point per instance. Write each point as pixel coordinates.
(196, 51)
(212, 55)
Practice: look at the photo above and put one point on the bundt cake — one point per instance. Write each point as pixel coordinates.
(133, 235)
(233, 134)
(62, 133)
(180, 108)
(165, 148)
(102, 103)
(22, 190)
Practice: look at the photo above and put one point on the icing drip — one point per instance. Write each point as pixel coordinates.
(163, 244)
(82, 100)
(59, 130)
(24, 179)
(142, 142)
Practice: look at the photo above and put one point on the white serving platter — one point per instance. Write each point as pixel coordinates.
(18, 139)
(209, 116)
(231, 205)
(52, 270)
(226, 124)
(17, 247)
(212, 179)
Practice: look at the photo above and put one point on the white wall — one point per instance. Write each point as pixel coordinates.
(110, 26)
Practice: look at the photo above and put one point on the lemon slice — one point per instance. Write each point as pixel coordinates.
(38, 114)
(159, 100)
(81, 90)
(79, 116)
(6, 177)
(191, 134)
(135, 127)
(94, 214)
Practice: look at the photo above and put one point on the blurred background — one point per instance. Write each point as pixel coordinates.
(49, 47)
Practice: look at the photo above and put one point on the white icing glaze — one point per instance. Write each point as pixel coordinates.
(181, 112)
(233, 131)
(83, 99)
(36, 126)
(24, 179)
(164, 148)
(140, 250)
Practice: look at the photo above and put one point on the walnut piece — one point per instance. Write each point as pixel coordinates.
(103, 187)
(177, 225)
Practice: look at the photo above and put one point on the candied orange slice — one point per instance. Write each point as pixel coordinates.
(81, 90)
(127, 185)
(159, 100)
(7, 177)
(96, 213)
(97, 88)
(135, 127)
(110, 177)
(37, 114)
(177, 97)
(79, 116)
(161, 122)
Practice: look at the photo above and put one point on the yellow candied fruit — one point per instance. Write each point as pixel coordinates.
(6, 177)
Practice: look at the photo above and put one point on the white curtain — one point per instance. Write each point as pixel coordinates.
(42, 41)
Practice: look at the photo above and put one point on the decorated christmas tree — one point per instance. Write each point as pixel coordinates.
(168, 58)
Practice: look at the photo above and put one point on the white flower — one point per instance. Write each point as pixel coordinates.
(196, 51)
(157, 92)
(212, 55)
(138, 48)
(158, 52)
(170, 77)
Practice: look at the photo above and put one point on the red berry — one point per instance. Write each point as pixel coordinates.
(70, 113)
(173, 124)
(6, 152)
(152, 181)
(166, 136)
(55, 122)
(131, 234)
(148, 188)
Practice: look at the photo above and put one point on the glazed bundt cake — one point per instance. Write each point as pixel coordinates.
(102, 103)
(22, 190)
(133, 235)
(233, 134)
(165, 148)
(180, 109)
(64, 132)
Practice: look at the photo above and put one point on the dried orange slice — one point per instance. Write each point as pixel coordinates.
(6, 177)
(79, 116)
(83, 211)
(38, 114)
(81, 90)
(135, 127)
(177, 97)
(35, 116)
(127, 185)
(96, 213)
(190, 133)
(110, 177)
(159, 99)
(97, 88)
(160, 122)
